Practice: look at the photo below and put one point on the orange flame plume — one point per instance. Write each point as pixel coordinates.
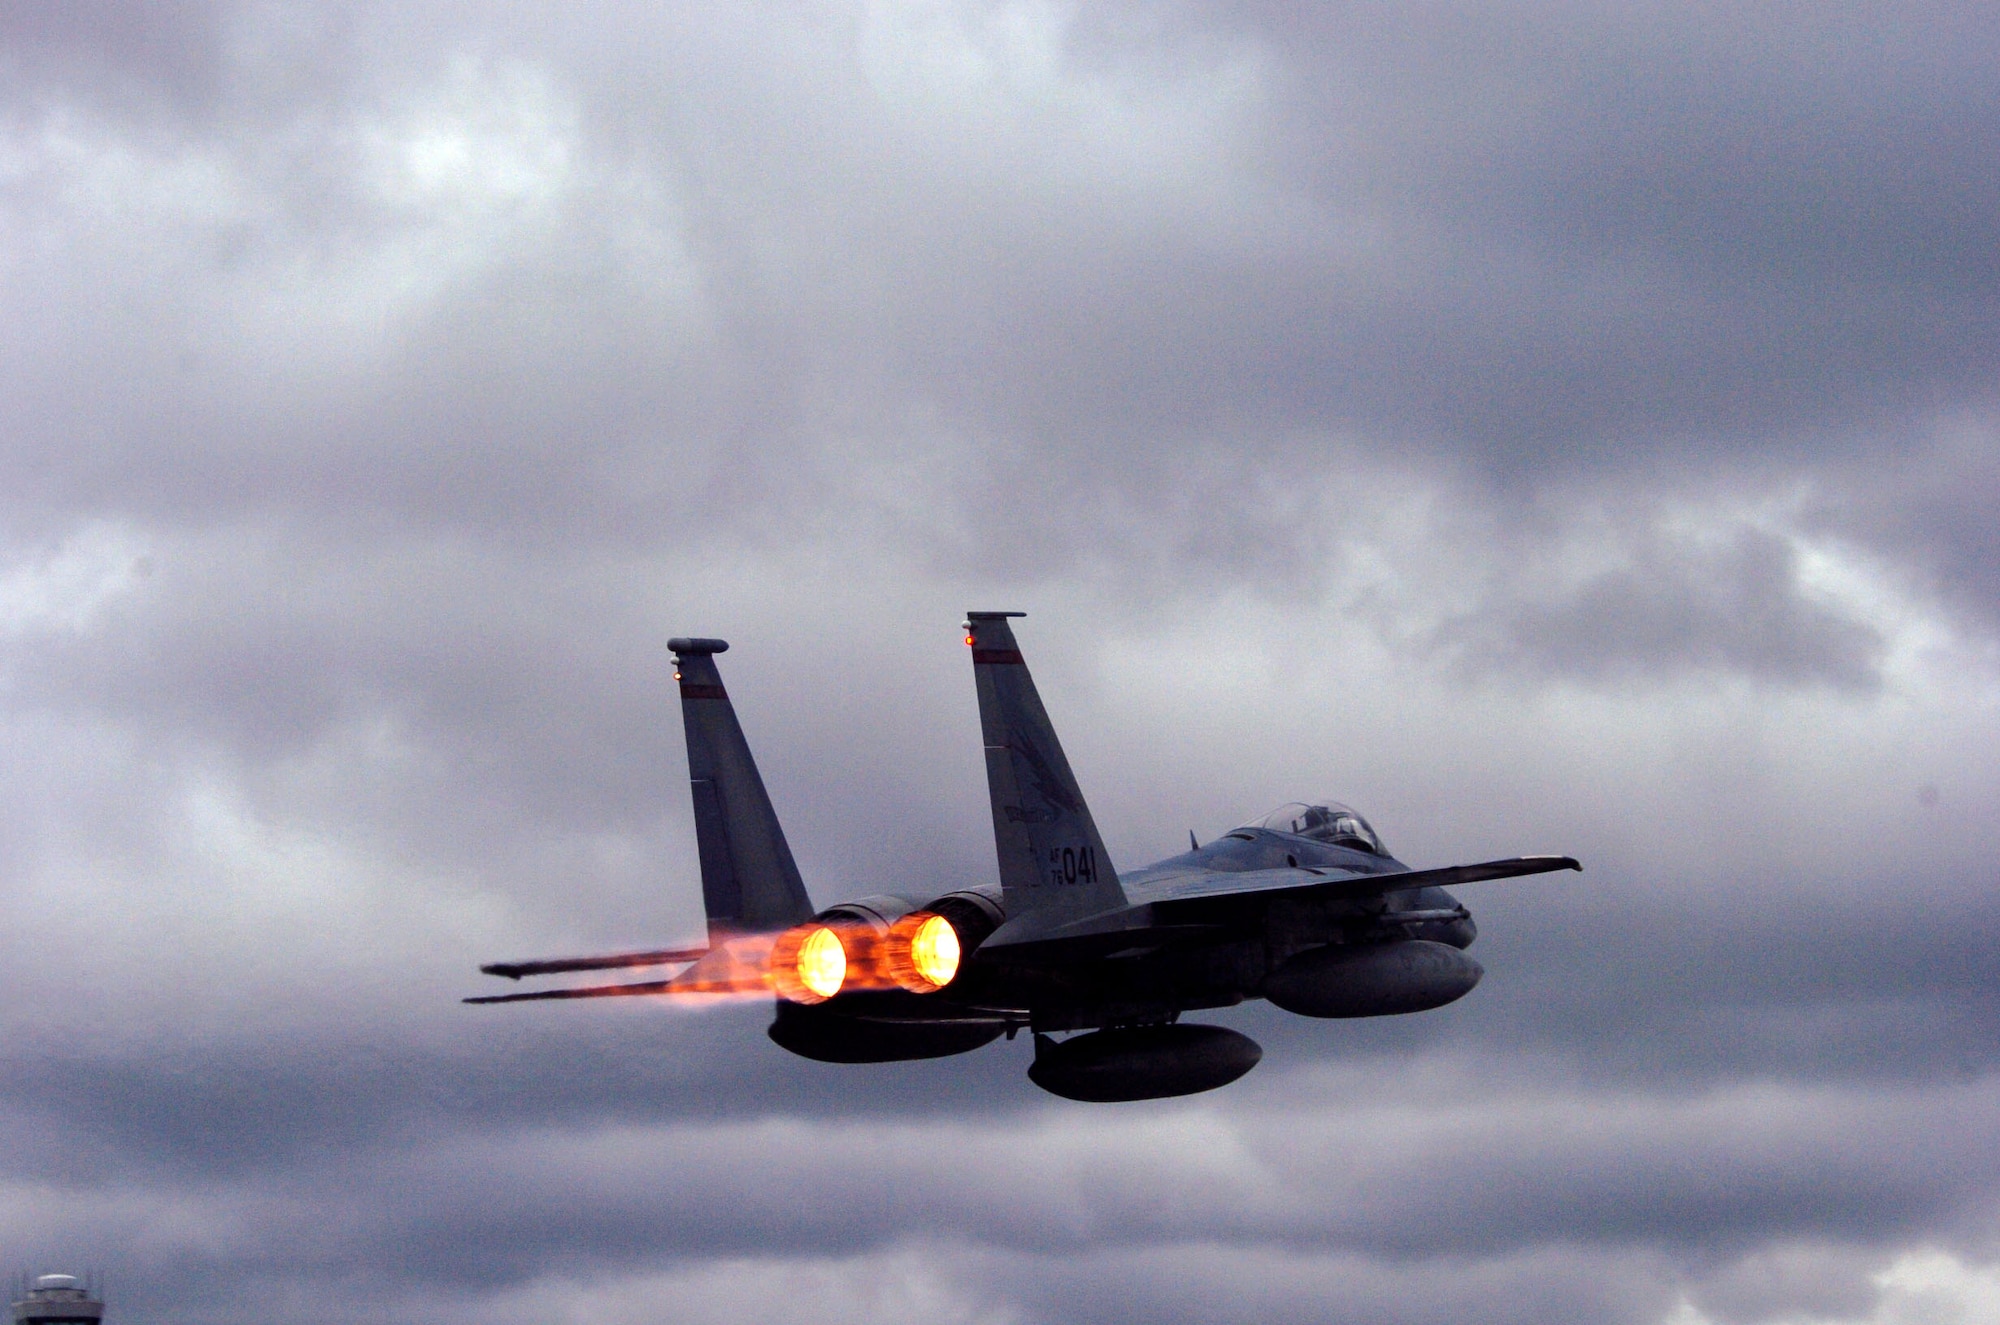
(811, 963)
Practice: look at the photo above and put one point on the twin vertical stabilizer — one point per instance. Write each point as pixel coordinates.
(1052, 862)
(749, 882)
(1053, 865)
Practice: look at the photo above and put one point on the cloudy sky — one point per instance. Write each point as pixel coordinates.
(1562, 427)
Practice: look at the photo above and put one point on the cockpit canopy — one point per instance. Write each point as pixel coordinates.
(1324, 821)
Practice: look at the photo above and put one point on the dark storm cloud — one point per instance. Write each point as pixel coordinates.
(1933, 516)
(117, 53)
(385, 386)
(1533, 1166)
(1664, 231)
(1531, 242)
(1556, 240)
(1680, 609)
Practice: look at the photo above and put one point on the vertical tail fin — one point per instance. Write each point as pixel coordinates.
(749, 882)
(1052, 862)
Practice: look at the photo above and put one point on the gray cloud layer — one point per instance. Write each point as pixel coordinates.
(1551, 428)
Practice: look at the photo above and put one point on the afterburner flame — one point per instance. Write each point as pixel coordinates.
(934, 951)
(736, 967)
(822, 963)
(920, 953)
(813, 962)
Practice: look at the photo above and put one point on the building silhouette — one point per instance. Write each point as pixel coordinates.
(57, 1299)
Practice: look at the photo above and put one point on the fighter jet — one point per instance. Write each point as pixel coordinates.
(1305, 907)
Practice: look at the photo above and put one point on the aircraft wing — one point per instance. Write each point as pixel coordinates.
(1333, 885)
(1201, 901)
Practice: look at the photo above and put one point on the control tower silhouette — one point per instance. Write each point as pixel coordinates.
(57, 1299)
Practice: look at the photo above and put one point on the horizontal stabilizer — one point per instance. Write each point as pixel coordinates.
(614, 962)
(592, 991)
